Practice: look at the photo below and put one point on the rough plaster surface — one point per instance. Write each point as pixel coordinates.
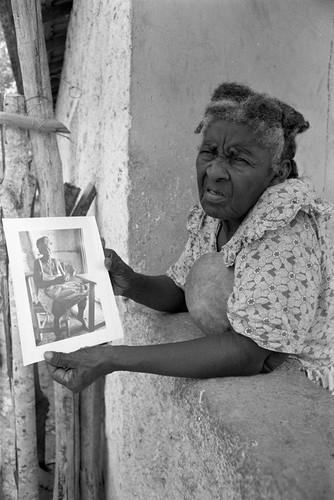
(267, 437)
(264, 437)
(94, 104)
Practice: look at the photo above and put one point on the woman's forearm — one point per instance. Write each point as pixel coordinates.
(206, 357)
(157, 292)
(229, 354)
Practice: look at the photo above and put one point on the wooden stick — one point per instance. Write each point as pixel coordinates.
(33, 123)
(18, 457)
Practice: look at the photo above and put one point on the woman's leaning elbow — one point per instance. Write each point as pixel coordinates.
(253, 356)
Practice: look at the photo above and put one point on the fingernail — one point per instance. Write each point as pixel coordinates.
(48, 355)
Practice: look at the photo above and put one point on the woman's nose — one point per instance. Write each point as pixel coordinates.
(218, 169)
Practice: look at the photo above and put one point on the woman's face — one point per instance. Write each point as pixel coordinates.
(233, 170)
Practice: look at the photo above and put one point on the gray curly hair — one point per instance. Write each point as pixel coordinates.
(274, 123)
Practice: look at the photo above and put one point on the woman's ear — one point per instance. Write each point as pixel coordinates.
(281, 173)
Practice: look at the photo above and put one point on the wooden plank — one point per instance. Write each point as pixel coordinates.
(85, 201)
(91, 403)
(92, 442)
(71, 193)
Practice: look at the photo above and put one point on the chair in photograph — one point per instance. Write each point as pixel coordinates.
(91, 303)
(41, 321)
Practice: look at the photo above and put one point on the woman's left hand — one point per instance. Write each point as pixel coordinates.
(77, 369)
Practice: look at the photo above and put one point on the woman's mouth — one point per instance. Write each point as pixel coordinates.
(213, 195)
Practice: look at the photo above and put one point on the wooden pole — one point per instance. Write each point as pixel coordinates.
(37, 92)
(18, 447)
(92, 441)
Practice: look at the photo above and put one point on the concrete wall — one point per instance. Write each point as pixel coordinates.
(94, 102)
(136, 78)
(180, 51)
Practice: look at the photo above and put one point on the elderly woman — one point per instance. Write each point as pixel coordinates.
(257, 271)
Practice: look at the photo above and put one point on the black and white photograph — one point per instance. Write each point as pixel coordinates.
(66, 290)
(199, 134)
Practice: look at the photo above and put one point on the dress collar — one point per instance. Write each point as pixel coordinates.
(276, 208)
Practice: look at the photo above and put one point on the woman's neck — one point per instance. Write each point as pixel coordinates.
(226, 231)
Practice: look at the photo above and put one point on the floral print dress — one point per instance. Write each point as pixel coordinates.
(283, 258)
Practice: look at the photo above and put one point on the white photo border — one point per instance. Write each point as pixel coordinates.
(32, 353)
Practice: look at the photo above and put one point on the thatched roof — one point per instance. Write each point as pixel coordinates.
(55, 15)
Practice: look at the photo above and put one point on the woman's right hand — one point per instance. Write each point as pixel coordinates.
(121, 274)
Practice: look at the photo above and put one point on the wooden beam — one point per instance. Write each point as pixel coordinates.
(37, 92)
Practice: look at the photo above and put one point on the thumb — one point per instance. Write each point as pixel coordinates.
(59, 359)
(109, 258)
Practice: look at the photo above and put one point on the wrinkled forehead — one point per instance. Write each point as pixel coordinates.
(230, 134)
(255, 131)
(220, 127)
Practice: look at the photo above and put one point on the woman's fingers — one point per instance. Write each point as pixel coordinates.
(77, 369)
(62, 376)
(60, 359)
(62, 368)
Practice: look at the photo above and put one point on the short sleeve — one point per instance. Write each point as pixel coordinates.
(277, 280)
(202, 235)
(178, 272)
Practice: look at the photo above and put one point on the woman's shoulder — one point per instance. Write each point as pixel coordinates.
(282, 202)
(290, 207)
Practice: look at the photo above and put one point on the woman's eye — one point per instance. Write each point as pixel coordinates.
(239, 159)
(207, 154)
